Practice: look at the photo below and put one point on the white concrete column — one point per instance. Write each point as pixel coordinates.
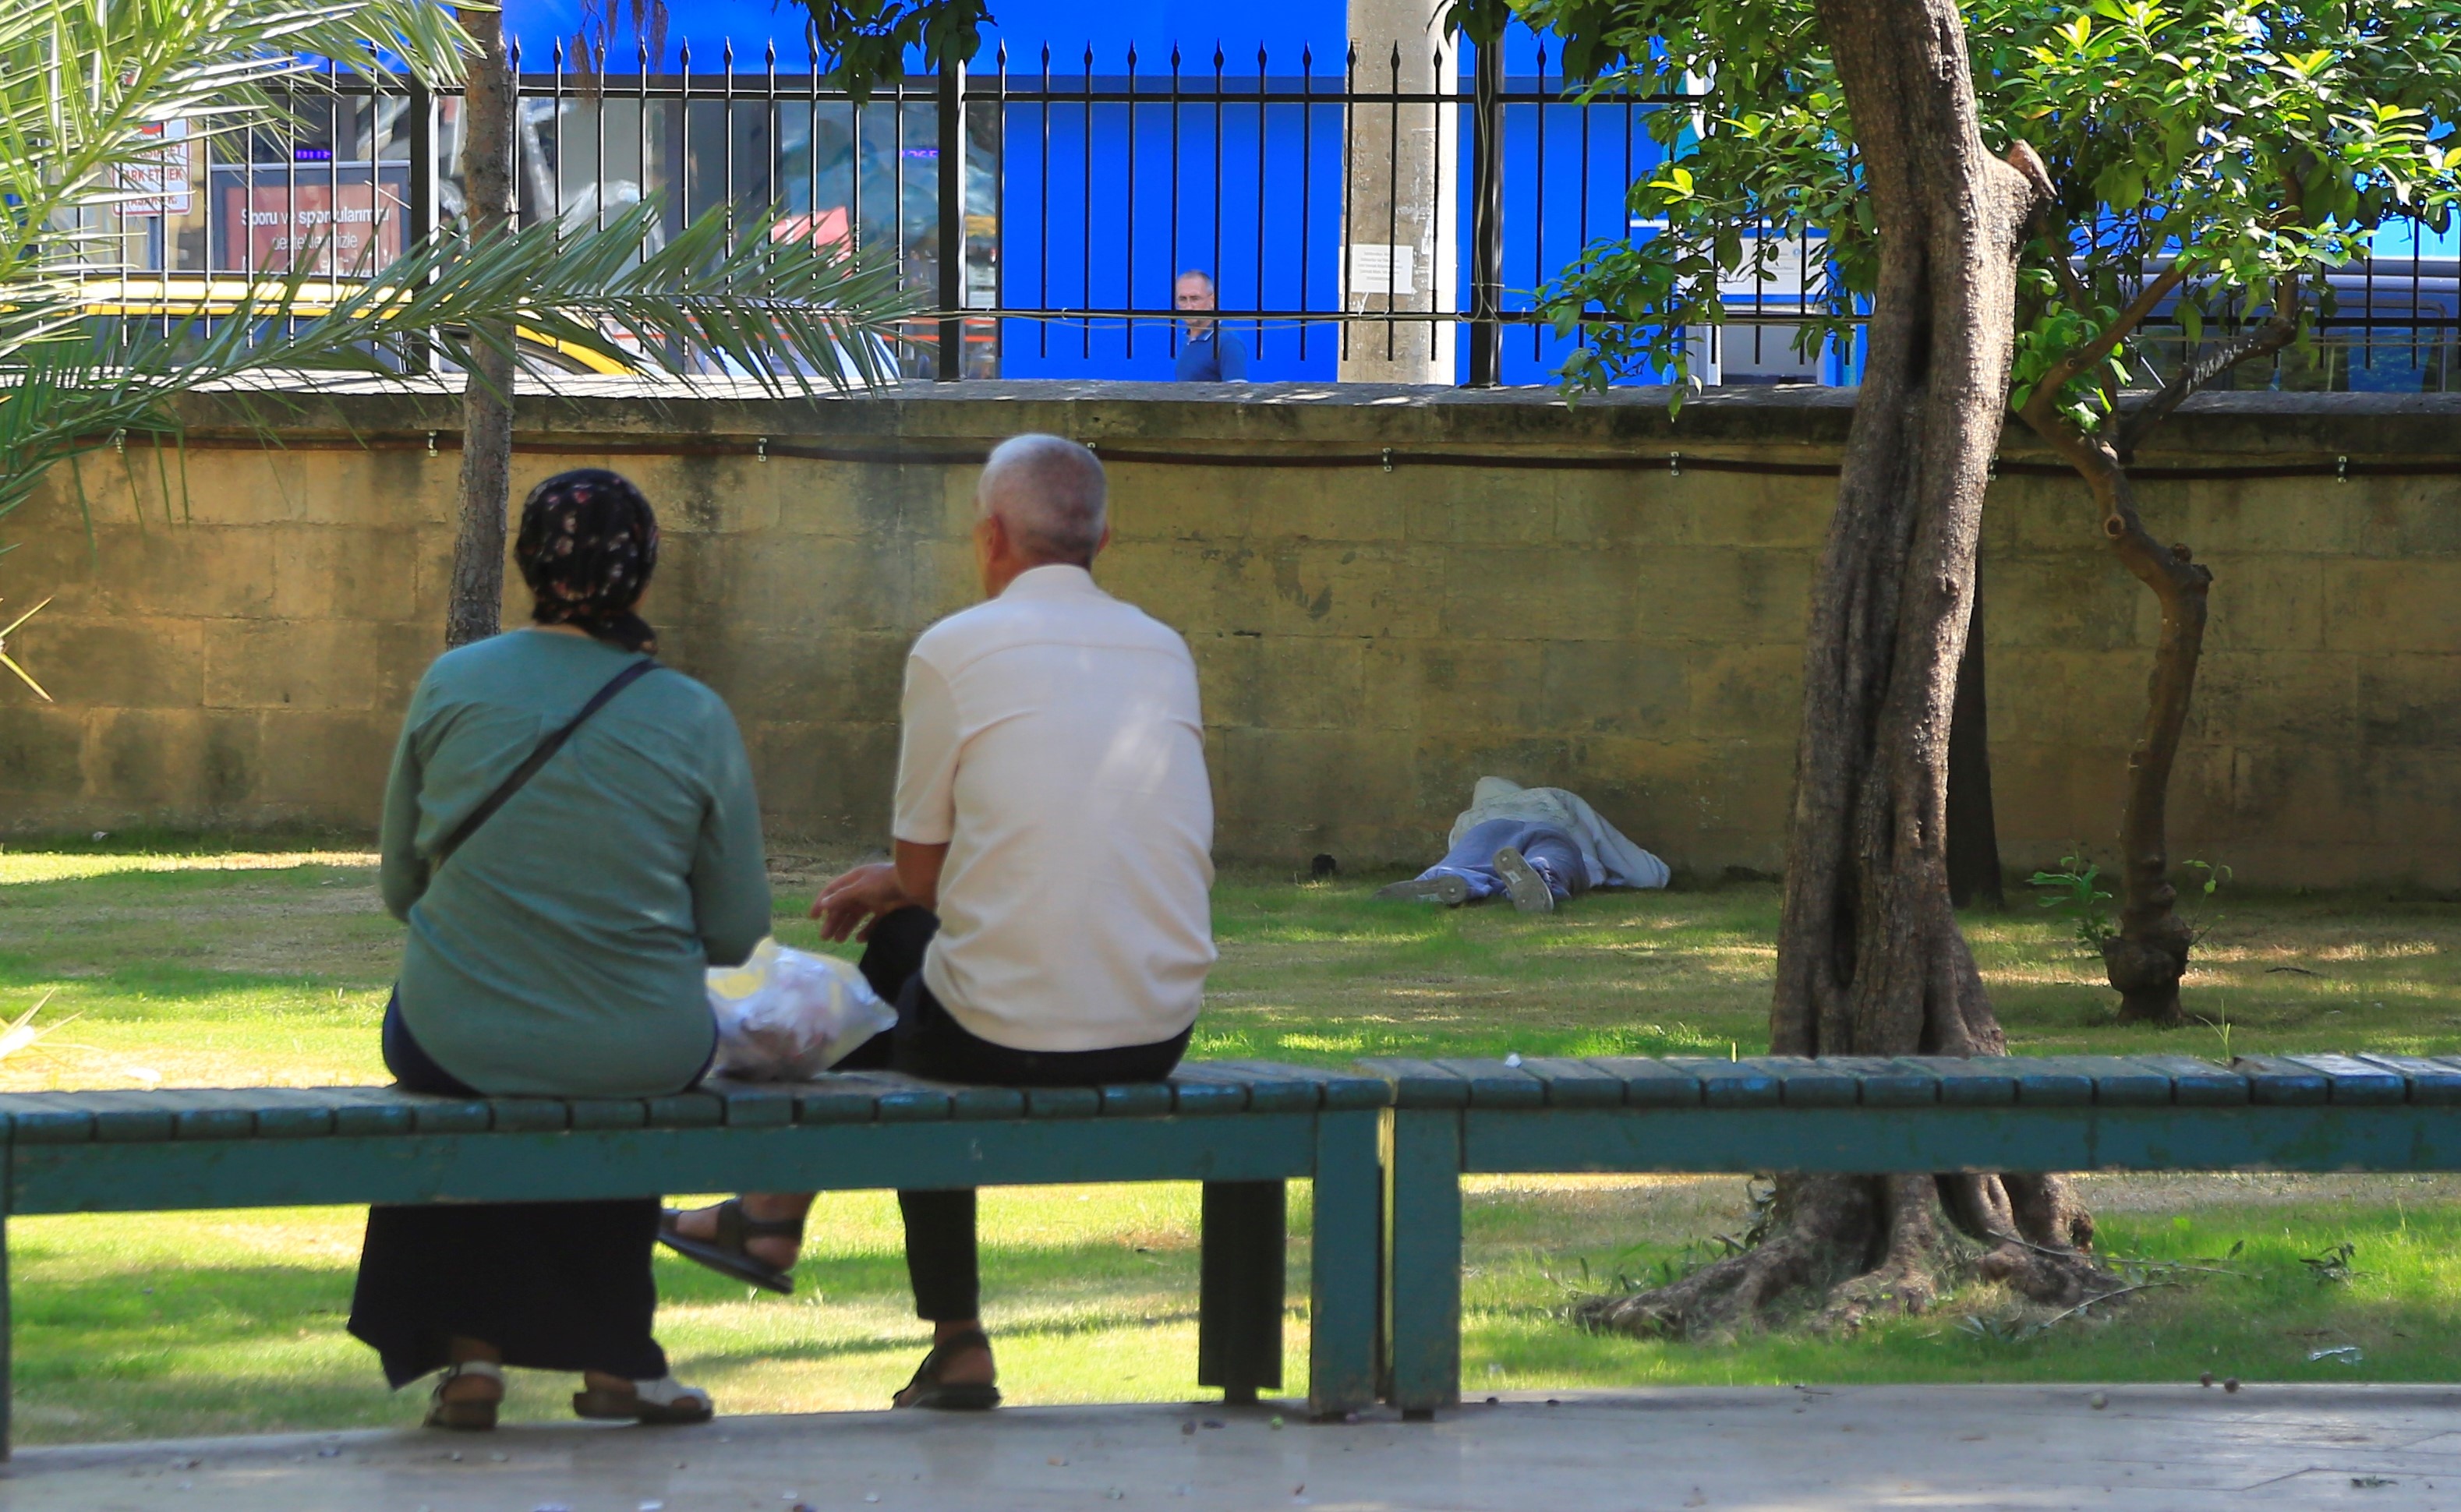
(1399, 240)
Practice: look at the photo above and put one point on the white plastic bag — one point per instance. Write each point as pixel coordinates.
(787, 1014)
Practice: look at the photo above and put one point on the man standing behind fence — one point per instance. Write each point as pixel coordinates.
(1047, 920)
(1212, 354)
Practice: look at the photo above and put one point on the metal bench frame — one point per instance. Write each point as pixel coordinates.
(1243, 1129)
(2016, 1112)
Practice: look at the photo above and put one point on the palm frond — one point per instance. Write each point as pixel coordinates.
(79, 79)
(791, 316)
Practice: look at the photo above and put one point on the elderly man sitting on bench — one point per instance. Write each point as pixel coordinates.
(1047, 920)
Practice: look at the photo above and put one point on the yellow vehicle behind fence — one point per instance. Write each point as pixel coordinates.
(176, 298)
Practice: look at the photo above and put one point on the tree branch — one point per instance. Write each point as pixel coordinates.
(2101, 347)
(2266, 339)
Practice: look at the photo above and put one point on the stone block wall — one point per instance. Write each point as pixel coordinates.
(237, 629)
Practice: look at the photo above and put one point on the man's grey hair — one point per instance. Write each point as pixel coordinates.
(1051, 495)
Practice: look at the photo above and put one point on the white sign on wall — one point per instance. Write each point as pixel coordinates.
(1379, 268)
(158, 178)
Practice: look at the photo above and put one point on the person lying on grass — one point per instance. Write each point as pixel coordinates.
(1047, 920)
(1535, 846)
(570, 833)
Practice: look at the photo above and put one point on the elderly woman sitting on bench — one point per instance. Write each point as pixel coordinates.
(570, 834)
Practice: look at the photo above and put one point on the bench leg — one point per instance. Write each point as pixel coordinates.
(8, 1329)
(1342, 1263)
(1423, 1255)
(1239, 1307)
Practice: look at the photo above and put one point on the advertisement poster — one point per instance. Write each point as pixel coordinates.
(326, 229)
(160, 177)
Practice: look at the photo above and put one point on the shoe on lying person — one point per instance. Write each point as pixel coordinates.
(1522, 883)
(1450, 890)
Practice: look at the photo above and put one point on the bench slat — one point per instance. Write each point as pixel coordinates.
(975, 1105)
(291, 1112)
(1979, 1081)
(1201, 1095)
(245, 1113)
(2055, 1081)
(611, 1113)
(529, 1115)
(2432, 1081)
(49, 1118)
(1062, 1103)
(2357, 1083)
(2199, 1083)
(684, 1110)
(753, 1104)
(429, 1114)
(1493, 1084)
(1336, 1090)
(1136, 1100)
(1729, 1083)
(1649, 1083)
(1422, 1083)
(2123, 1081)
(1883, 1083)
(2277, 1080)
(1270, 1089)
(839, 1097)
(1574, 1083)
(366, 1110)
(138, 1118)
(1807, 1083)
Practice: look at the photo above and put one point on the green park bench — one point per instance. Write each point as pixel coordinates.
(2016, 1113)
(1242, 1128)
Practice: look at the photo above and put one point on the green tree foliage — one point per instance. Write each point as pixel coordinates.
(2214, 159)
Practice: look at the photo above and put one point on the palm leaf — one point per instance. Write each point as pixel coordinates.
(793, 317)
(78, 80)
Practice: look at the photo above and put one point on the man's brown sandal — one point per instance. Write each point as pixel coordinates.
(724, 1252)
(664, 1403)
(928, 1391)
(472, 1415)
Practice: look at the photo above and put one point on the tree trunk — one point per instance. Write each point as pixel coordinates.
(1973, 823)
(2148, 956)
(1870, 960)
(488, 107)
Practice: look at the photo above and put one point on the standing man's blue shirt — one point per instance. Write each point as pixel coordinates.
(1214, 357)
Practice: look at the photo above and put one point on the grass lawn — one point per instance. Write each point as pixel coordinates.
(189, 965)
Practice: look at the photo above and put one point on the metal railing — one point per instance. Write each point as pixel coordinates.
(1377, 209)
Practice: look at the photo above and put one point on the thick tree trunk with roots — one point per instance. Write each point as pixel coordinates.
(1973, 825)
(476, 609)
(1870, 959)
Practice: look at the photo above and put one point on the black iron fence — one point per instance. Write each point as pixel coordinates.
(1375, 215)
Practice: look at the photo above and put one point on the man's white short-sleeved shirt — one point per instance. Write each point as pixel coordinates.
(1054, 742)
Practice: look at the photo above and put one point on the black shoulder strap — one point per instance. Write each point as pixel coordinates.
(538, 759)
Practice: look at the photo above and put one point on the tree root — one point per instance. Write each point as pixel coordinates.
(1842, 1249)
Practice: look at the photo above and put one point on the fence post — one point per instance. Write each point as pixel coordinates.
(1487, 220)
(950, 365)
(421, 211)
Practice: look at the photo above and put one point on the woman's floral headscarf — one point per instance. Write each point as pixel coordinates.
(587, 545)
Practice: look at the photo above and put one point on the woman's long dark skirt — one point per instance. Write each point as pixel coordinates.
(555, 1286)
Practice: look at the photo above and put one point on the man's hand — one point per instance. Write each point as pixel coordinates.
(848, 905)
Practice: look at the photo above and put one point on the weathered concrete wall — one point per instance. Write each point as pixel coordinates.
(1370, 641)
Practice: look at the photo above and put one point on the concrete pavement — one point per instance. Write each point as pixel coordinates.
(2159, 1449)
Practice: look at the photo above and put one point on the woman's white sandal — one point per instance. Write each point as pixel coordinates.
(660, 1403)
(470, 1415)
